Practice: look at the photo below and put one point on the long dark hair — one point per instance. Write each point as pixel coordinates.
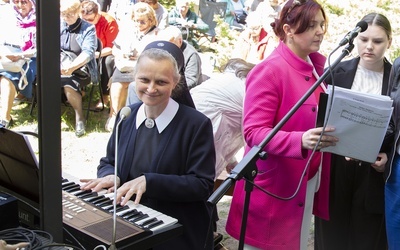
(379, 20)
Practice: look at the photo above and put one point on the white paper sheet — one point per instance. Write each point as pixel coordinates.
(361, 121)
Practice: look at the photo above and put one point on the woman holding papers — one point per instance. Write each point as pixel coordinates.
(356, 200)
(291, 170)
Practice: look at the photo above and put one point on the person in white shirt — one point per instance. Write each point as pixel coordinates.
(220, 98)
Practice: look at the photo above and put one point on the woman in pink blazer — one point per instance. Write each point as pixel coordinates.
(272, 88)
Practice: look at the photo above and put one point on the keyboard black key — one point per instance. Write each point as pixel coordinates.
(132, 216)
(104, 203)
(119, 208)
(67, 184)
(71, 189)
(140, 217)
(154, 224)
(146, 222)
(87, 195)
(129, 214)
(82, 192)
(100, 200)
(94, 198)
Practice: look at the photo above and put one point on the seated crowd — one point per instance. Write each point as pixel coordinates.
(111, 23)
(85, 25)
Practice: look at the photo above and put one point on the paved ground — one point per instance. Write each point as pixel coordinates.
(232, 244)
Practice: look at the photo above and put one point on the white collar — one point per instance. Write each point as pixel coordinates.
(163, 119)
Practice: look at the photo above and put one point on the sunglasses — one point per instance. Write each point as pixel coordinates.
(141, 22)
(67, 14)
(294, 4)
(22, 2)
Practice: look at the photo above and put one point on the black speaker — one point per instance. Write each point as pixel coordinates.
(8, 211)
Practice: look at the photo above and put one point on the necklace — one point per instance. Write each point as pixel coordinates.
(149, 123)
(75, 26)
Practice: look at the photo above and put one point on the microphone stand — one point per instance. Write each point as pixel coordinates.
(114, 232)
(247, 168)
(124, 113)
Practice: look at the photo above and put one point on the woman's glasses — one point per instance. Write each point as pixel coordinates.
(22, 2)
(67, 14)
(141, 22)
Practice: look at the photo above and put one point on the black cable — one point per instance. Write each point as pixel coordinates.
(35, 238)
(45, 235)
(51, 245)
(17, 235)
(73, 237)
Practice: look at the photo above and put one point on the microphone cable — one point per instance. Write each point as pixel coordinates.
(36, 239)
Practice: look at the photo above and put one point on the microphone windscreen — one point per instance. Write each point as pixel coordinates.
(363, 25)
(125, 112)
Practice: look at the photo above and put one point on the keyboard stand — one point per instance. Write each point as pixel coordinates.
(156, 238)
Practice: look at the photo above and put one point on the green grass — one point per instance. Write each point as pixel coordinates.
(21, 115)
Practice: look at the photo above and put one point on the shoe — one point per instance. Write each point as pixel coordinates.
(220, 246)
(6, 124)
(100, 106)
(110, 123)
(80, 129)
(18, 101)
(217, 238)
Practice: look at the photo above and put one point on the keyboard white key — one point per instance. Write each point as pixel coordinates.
(158, 220)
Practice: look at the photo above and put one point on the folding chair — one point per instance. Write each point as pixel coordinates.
(93, 84)
(34, 96)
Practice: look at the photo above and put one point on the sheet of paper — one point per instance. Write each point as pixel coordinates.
(360, 120)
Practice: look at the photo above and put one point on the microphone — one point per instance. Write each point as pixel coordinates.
(123, 114)
(360, 27)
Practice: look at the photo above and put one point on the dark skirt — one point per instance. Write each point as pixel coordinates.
(30, 76)
(75, 82)
(356, 208)
(119, 76)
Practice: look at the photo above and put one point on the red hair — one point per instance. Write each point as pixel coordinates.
(297, 14)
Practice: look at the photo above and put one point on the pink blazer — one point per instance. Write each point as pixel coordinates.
(272, 88)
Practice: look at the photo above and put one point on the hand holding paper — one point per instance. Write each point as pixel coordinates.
(360, 120)
(311, 138)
